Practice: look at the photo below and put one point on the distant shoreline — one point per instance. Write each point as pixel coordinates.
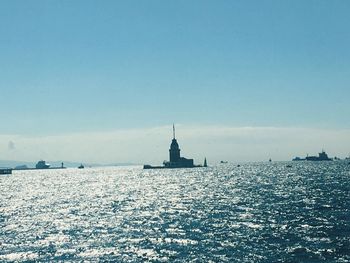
(50, 168)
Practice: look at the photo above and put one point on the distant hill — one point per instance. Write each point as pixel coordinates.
(12, 164)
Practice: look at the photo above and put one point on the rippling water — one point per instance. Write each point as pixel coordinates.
(258, 212)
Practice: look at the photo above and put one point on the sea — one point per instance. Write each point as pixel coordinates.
(252, 212)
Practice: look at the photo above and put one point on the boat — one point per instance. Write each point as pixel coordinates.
(5, 171)
(322, 156)
(205, 163)
(81, 166)
(42, 165)
(289, 166)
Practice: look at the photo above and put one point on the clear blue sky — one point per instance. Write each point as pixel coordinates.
(74, 66)
(95, 65)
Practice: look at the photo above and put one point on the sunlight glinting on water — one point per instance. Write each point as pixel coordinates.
(258, 212)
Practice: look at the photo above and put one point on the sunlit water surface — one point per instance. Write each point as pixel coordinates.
(262, 212)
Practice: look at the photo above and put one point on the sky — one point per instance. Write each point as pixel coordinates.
(103, 81)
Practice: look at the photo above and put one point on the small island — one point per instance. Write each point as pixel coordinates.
(175, 160)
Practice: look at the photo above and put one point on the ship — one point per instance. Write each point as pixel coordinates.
(81, 166)
(322, 156)
(42, 165)
(175, 160)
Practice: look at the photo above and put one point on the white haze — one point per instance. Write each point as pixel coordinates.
(151, 145)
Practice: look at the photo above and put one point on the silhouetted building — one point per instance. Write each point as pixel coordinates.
(175, 159)
(174, 151)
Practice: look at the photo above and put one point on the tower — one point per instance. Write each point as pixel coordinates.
(174, 151)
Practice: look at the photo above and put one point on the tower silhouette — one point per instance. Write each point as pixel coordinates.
(175, 159)
(174, 151)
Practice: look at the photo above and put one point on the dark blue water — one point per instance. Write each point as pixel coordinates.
(258, 212)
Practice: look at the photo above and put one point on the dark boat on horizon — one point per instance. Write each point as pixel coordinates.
(322, 156)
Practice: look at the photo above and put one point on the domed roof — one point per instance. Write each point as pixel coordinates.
(174, 144)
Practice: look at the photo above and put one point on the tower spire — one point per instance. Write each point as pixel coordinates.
(173, 130)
